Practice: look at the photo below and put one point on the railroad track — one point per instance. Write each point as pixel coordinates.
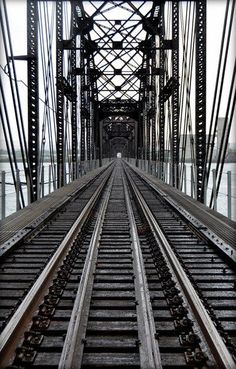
(118, 293)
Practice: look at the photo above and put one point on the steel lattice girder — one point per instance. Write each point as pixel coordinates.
(33, 95)
(74, 99)
(200, 96)
(161, 97)
(175, 94)
(117, 60)
(119, 48)
(60, 95)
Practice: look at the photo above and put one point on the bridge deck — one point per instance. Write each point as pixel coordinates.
(40, 209)
(37, 211)
(222, 226)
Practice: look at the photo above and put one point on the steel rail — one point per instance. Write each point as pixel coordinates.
(33, 225)
(227, 249)
(149, 349)
(72, 353)
(216, 344)
(13, 332)
(173, 203)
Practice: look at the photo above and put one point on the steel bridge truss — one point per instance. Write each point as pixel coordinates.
(114, 87)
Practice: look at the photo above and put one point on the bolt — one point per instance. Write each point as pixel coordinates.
(156, 336)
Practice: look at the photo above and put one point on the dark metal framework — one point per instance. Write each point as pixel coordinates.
(109, 67)
(84, 112)
(33, 103)
(118, 48)
(161, 155)
(175, 94)
(152, 112)
(200, 96)
(60, 95)
(74, 131)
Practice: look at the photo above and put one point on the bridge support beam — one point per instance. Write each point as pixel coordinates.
(60, 95)
(175, 94)
(33, 95)
(161, 155)
(200, 97)
(74, 139)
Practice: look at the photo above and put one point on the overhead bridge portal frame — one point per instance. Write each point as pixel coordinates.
(89, 86)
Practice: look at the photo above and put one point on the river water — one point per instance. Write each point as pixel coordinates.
(222, 200)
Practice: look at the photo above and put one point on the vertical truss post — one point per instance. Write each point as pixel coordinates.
(153, 98)
(136, 143)
(92, 155)
(74, 141)
(100, 142)
(145, 131)
(161, 96)
(200, 96)
(175, 94)
(148, 107)
(93, 106)
(146, 140)
(96, 131)
(88, 106)
(140, 136)
(148, 137)
(33, 107)
(82, 101)
(60, 95)
(140, 130)
(92, 120)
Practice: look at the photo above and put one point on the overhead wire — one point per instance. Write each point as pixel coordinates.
(16, 101)
(9, 142)
(230, 111)
(46, 39)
